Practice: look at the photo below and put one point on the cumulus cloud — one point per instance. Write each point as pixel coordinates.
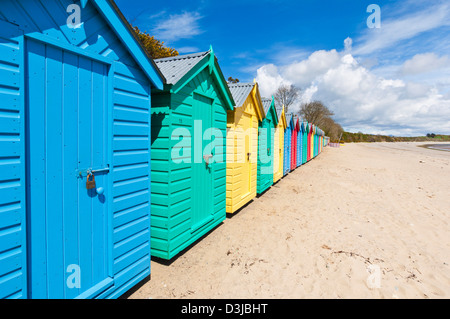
(268, 77)
(348, 43)
(423, 63)
(362, 100)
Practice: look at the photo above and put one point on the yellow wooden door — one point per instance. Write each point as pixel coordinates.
(276, 153)
(281, 149)
(246, 166)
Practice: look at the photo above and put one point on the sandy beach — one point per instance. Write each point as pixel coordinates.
(359, 221)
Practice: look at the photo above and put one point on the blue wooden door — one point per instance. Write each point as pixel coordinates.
(68, 234)
(287, 150)
(202, 177)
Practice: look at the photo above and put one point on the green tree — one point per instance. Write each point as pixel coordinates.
(155, 48)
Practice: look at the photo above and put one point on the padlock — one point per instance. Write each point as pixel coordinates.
(90, 184)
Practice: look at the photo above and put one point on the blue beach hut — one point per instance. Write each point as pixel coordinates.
(75, 102)
(288, 143)
(299, 144)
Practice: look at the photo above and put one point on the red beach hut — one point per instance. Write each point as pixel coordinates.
(295, 131)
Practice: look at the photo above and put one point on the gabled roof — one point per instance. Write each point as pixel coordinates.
(174, 68)
(267, 103)
(279, 110)
(180, 70)
(290, 120)
(269, 106)
(305, 126)
(241, 91)
(296, 120)
(109, 10)
(280, 114)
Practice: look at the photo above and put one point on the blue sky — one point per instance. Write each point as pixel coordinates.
(391, 80)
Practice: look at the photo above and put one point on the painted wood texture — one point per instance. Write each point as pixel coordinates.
(305, 144)
(265, 155)
(287, 147)
(177, 183)
(279, 148)
(13, 245)
(126, 146)
(242, 154)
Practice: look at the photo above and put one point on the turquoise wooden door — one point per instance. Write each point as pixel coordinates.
(265, 159)
(67, 101)
(202, 175)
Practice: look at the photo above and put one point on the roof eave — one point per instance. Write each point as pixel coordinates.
(258, 102)
(215, 71)
(127, 36)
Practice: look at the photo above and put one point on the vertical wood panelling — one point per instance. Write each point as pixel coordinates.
(279, 150)
(287, 148)
(81, 94)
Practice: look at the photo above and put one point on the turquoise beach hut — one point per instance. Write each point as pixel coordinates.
(188, 152)
(266, 146)
(304, 132)
(288, 143)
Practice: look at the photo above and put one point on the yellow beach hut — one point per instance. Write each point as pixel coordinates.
(278, 156)
(242, 145)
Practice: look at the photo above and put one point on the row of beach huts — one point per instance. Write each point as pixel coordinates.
(109, 158)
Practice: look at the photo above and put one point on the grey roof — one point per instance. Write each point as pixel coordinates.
(174, 68)
(305, 125)
(240, 92)
(279, 110)
(296, 118)
(266, 104)
(288, 118)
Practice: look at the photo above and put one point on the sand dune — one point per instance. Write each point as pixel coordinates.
(360, 221)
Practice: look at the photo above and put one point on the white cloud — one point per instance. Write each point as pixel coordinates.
(362, 100)
(423, 63)
(304, 72)
(392, 80)
(268, 77)
(178, 26)
(348, 43)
